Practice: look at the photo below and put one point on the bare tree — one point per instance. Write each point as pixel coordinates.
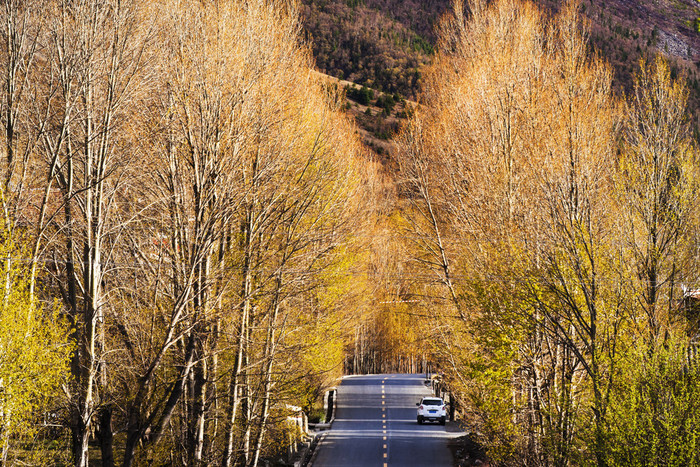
(657, 190)
(508, 171)
(93, 62)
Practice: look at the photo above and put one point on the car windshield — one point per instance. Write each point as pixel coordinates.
(432, 401)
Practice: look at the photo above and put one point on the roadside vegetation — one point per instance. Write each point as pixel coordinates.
(179, 232)
(199, 233)
(558, 220)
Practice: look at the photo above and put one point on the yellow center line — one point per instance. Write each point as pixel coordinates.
(385, 446)
(386, 455)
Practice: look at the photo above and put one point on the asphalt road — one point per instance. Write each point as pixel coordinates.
(375, 425)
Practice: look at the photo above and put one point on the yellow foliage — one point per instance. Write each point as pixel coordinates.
(34, 355)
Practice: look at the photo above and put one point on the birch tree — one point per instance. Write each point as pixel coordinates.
(96, 63)
(250, 193)
(657, 191)
(191, 193)
(508, 169)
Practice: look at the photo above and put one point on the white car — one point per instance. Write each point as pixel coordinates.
(431, 409)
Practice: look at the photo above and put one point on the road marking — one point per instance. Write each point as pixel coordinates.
(382, 396)
(384, 438)
(383, 409)
(383, 415)
(382, 391)
(385, 446)
(382, 402)
(386, 455)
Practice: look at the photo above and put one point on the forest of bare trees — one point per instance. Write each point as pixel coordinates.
(193, 240)
(180, 200)
(559, 223)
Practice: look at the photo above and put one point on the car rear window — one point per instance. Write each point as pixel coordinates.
(432, 401)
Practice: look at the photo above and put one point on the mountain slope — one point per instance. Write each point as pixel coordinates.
(384, 44)
(380, 44)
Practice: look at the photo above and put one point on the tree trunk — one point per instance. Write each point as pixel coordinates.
(270, 347)
(237, 375)
(106, 437)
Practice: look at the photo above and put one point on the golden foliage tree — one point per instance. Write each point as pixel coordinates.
(193, 189)
(522, 206)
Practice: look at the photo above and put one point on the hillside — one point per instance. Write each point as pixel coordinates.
(378, 114)
(623, 31)
(384, 44)
(380, 44)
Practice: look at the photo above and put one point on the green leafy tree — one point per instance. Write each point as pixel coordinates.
(34, 358)
(654, 414)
